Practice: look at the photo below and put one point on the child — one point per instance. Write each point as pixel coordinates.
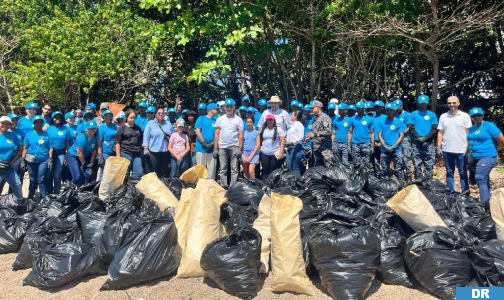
(251, 144)
(179, 147)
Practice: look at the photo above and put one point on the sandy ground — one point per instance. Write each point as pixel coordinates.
(11, 283)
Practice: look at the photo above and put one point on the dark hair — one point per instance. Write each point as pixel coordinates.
(129, 112)
(275, 133)
(298, 114)
(251, 118)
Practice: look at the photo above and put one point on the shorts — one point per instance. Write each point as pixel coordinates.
(255, 159)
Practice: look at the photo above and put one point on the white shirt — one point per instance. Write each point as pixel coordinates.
(229, 128)
(454, 131)
(295, 134)
(281, 116)
(270, 146)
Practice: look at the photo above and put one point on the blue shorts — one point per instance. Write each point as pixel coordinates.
(255, 159)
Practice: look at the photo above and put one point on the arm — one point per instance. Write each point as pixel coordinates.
(281, 150)
(18, 154)
(216, 139)
(51, 152)
(93, 156)
(118, 140)
(199, 136)
(257, 146)
(100, 149)
(146, 136)
(187, 146)
(499, 141)
(170, 149)
(25, 150)
(332, 136)
(440, 137)
(380, 138)
(118, 150)
(80, 154)
(413, 131)
(372, 136)
(240, 140)
(349, 136)
(431, 132)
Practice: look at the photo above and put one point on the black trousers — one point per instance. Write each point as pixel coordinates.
(270, 164)
(159, 162)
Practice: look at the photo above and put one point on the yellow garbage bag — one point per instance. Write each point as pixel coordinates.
(415, 209)
(193, 174)
(113, 175)
(154, 189)
(263, 225)
(210, 185)
(181, 213)
(287, 263)
(497, 211)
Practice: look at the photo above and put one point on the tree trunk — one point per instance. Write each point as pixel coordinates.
(312, 64)
(252, 81)
(418, 71)
(435, 82)
(499, 39)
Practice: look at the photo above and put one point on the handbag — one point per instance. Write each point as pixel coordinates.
(166, 135)
(4, 166)
(468, 156)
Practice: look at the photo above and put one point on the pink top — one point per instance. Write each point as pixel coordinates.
(179, 142)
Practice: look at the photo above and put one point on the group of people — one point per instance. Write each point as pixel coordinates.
(54, 146)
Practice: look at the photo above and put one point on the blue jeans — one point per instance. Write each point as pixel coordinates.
(37, 173)
(53, 179)
(105, 156)
(483, 166)
(176, 168)
(135, 164)
(17, 170)
(12, 178)
(450, 160)
(294, 155)
(79, 174)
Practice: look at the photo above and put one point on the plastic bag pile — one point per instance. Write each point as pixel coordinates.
(342, 225)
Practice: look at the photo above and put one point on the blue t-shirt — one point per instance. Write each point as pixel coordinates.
(404, 117)
(83, 142)
(341, 126)
(423, 121)
(481, 140)
(141, 122)
(107, 135)
(376, 123)
(72, 131)
(58, 136)
(25, 125)
(308, 128)
(249, 139)
(81, 128)
(38, 145)
(9, 143)
(390, 132)
(361, 132)
(207, 127)
(20, 133)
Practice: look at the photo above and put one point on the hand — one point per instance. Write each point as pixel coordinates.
(50, 164)
(179, 158)
(279, 154)
(22, 165)
(310, 135)
(146, 151)
(239, 153)
(425, 144)
(372, 149)
(100, 160)
(245, 159)
(349, 148)
(215, 153)
(390, 149)
(377, 144)
(64, 162)
(208, 147)
(439, 152)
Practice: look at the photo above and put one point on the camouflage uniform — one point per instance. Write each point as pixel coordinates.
(423, 155)
(397, 158)
(361, 153)
(406, 156)
(340, 152)
(322, 146)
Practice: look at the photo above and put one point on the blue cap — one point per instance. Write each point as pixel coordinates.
(351, 107)
(32, 105)
(342, 106)
(185, 110)
(12, 116)
(268, 106)
(229, 101)
(390, 105)
(36, 118)
(91, 106)
(294, 102)
(369, 104)
(300, 105)
(360, 104)
(142, 104)
(243, 108)
(307, 107)
(379, 103)
(91, 124)
(88, 113)
(171, 110)
(69, 115)
(251, 109)
(476, 111)
(56, 113)
(423, 99)
(211, 106)
(202, 106)
(151, 109)
(331, 105)
(263, 102)
(108, 111)
(397, 103)
(245, 98)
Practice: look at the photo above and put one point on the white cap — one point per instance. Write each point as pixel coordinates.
(220, 103)
(334, 100)
(120, 115)
(5, 118)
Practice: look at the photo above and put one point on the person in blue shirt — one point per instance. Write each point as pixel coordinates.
(17, 165)
(251, 145)
(422, 126)
(202, 109)
(46, 114)
(377, 118)
(243, 114)
(35, 155)
(369, 106)
(340, 134)
(88, 116)
(80, 157)
(155, 144)
(246, 101)
(151, 113)
(263, 105)
(484, 140)
(294, 106)
(403, 115)
(10, 151)
(72, 127)
(141, 120)
(59, 142)
(105, 140)
(205, 130)
(351, 110)
(391, 133)
(252, 112)
(25, 124)
(331, 111)
(172, 116)
(361, 136)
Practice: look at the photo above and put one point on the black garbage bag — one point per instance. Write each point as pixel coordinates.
(91, 225)
(488, 262)
(437, 261)
(346, 261)
(115, 229)
(85, 202)
(42, 233)
(234, 261)
(92, 187)
(125, 198)
(176, 185)
(6, 212)
(386, 187)
(60, 264)
(284, 177)
(241, 208)
(148, 252)
(19, 205)
(357, 181)
(13, 231)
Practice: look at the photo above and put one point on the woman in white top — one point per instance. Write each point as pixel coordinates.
(295, 136)
(272, 140)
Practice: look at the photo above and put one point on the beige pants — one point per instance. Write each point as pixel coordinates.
(209, 162)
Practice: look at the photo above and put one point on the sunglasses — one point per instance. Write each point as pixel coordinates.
(161, 113)
(150, 113)
(477, 116)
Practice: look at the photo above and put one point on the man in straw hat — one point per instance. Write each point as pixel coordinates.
(281, 116)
